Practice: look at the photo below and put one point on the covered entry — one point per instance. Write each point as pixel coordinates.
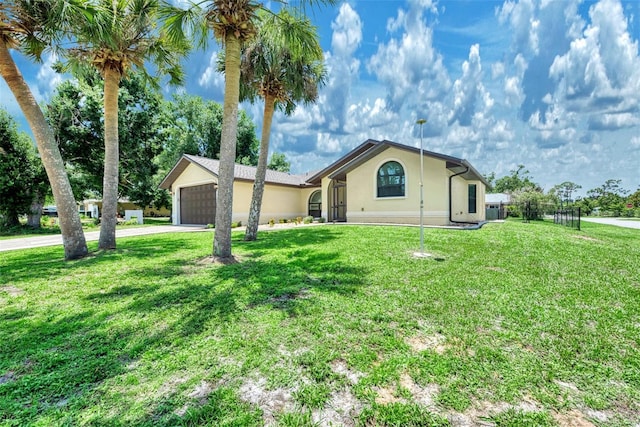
(198, 204)
(338, 198)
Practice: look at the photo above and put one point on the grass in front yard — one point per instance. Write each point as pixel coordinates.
(516, 324)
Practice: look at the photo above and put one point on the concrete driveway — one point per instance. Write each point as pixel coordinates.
(618, 222)
(56, 239)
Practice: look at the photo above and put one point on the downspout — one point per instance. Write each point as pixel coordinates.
(451, 200)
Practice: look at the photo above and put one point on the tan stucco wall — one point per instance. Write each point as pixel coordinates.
(363, 205)
(278, 202)
(460, 201)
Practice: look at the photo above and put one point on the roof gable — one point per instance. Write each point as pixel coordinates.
(372, 148)
(241, 172)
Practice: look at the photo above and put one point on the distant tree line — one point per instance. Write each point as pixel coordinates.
(609, 199)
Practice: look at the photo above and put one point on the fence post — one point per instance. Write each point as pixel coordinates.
(579, 217)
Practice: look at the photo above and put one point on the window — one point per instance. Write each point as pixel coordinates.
(391, 180)
(315, 204)
(472, 198)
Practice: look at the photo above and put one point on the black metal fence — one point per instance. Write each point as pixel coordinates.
(569, 217)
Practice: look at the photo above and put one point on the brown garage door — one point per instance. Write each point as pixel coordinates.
(198, 204)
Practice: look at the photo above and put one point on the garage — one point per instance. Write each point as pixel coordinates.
(198, 204)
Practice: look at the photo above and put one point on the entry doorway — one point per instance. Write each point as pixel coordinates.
(338, 192)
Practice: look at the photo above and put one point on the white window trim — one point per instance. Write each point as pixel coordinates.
(375, 180)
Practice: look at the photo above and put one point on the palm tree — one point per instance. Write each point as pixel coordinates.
(233, 24)
(116, 36)
(271, 70)
(30, 27)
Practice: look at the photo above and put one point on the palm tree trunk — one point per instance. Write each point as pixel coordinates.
(261, 172)
(109, 219)
(73, 240)
(224, 209)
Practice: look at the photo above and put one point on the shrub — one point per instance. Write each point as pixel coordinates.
(299, 220)
(272, 222)
(211, 226)
(236, 224)
(282, 221)
(308, 219)
(322, 220)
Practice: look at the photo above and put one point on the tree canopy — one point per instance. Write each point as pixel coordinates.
(278, 162)
(75, 114)
(22, 176)
(192, 125)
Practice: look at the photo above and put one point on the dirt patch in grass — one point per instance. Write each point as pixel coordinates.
(201, 392)
(8, 377)
(341, 410)
(208, 260)
(480, 411)
(11, 290)
(574, 418)
(435, 342)
(271, 402)
(340, 367)
(587, 238)
(421, 395)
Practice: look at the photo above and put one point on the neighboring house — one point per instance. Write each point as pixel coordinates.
(93, 208)
(376, 182)
(496, 205)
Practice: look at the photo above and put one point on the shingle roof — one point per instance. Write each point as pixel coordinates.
(371, 148)
(241, 172)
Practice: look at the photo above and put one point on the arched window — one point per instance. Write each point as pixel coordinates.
(315, 204)
(391, 180)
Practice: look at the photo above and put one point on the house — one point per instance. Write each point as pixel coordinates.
(93, 207)
(376, 182)
(496, 205)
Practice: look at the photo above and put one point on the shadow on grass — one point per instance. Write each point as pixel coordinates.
(57, 362)
(24, 265)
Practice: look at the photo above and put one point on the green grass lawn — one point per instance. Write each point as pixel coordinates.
(513, 324)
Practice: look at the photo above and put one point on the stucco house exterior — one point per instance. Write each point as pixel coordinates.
(376, 182)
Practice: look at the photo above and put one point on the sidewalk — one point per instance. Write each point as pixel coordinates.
(618, 222)
(56, 239)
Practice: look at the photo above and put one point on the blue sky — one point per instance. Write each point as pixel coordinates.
(553, 85)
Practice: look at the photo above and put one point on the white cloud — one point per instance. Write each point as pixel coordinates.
(364, 115)
(211, 77)
(328, 144)
(347, 32)
(469, 94)
(410, 67)
(342, 69)
(601, 70)
(47, 78)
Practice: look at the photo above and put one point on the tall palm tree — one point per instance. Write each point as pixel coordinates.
(30, 27)
(283, 76)
(233, 24)
(116, 36)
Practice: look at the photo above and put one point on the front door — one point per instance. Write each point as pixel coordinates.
(338, 201)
